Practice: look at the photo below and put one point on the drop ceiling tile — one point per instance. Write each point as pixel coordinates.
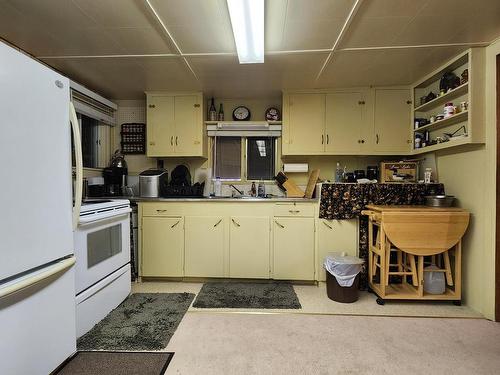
(165, 73)
(484, 28)
(113, 78)
(458, 8)
(117, 13)
(317, 10)
(390, 8)
(89, 41)
(188, 12)
(275, 17)
(127, 78)
(225, 74)
(197, 38)
(140, 40)
(349, 69)
(434, 29)
(311, 35)
(24, 33)
(55, 15)
(197, 26)
(373, 32)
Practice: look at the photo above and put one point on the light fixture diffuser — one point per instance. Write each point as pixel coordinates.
(247, 21)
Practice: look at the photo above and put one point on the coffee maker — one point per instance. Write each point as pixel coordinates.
(115, 175)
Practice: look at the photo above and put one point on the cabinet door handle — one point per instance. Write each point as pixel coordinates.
(217, 223)
(408, 102)
(377, 138)
(151, 143)
(327, 139)
(329, 226)
(236, 223)
(196, 106)
(294, 211)
(361, 102)
(362, 141)
(160, 211)
(280, 225)
(173, 226)
(322, 139)
(171, 140)
(151, 106)
(176, 140)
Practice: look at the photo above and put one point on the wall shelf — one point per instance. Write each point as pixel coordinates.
(472, 91)
(440, 146)
(440, 100)
(456, 118)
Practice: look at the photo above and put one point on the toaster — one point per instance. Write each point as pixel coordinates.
(152, 182)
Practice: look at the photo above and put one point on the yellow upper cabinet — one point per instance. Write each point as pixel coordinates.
(358, 121)
(346, 124)
(175, 125)
(304, 124)
(160, 125)
(391, 120)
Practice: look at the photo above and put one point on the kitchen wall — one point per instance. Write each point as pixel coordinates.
(470, 175)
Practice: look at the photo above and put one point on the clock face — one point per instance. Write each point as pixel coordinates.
(241, 113)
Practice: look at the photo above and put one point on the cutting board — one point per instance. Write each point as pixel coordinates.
(311, 184)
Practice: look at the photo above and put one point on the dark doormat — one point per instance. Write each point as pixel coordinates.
(144, 321)
(116, 363)
(247, 295)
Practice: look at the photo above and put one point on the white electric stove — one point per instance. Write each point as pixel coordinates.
(102, 250)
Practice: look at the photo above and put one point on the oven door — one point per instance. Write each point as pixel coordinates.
(102, 245)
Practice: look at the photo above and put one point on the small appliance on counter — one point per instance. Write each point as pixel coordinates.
(115, 175)
(152, 182)
(372, 172)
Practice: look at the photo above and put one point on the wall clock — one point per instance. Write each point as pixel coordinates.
(272, 114)
(241, 113)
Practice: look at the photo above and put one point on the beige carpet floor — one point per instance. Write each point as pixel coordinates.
(217, 343)
(315, 301)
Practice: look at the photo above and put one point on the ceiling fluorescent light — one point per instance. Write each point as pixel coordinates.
(247, 20)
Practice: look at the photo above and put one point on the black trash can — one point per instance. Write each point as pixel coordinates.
(343, 294)
(342, 277)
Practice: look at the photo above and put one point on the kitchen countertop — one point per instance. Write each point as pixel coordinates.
(212, 199)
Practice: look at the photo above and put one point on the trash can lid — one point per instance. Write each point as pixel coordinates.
(343, 258)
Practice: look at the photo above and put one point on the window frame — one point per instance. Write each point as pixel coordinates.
(244, 161)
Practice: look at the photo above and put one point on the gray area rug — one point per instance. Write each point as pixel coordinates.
(247, 295)
(117, 363)
(144, 321)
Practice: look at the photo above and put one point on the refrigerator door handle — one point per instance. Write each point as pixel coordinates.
(77, 139)
(35, 279)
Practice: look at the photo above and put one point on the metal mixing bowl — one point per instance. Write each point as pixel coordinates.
(439, 200)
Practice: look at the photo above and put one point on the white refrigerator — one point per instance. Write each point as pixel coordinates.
(37, 292)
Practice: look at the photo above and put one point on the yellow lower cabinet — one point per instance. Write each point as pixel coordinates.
(293, 248)
(204, 246)
(335, 236)
(249, 247)
(162, 246)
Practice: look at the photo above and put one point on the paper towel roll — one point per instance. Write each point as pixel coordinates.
(296, 167)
